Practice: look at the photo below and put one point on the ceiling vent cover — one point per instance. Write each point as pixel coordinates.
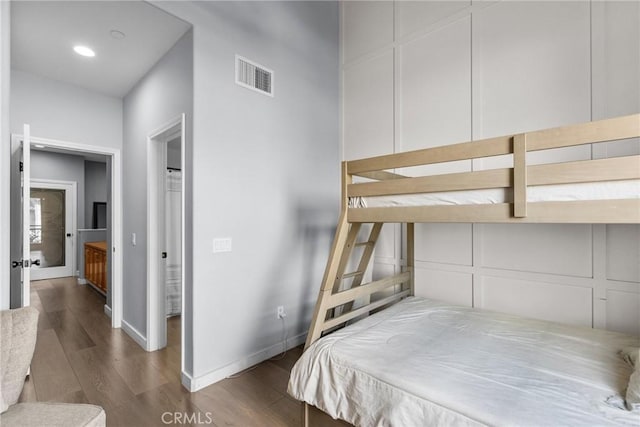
(254, 76)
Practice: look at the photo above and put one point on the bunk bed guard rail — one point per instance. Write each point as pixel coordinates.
(518, 178)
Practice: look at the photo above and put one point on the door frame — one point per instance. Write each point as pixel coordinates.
(71, 186)
(116, 213)
(156, 166)
(19, 284)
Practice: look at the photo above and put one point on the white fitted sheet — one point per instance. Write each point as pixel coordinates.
(423, 362)
(610, 190)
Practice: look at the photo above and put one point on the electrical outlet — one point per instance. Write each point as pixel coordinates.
(280, 312)
(222, 244)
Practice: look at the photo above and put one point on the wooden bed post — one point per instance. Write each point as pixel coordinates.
(411, 256)
(520, 175)
(305, 414)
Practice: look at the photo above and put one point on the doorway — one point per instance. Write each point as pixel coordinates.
(52, 211)
(21, 184)
(165, 231)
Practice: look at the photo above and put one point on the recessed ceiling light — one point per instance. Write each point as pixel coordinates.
(84, 51)
(118, 35)
(39, 146)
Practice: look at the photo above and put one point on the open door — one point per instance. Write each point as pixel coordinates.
(20, 219)
(165, 253)
(52, 228)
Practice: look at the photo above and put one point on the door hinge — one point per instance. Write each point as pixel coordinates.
(21, 167)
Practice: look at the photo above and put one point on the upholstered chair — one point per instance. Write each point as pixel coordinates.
(18, 331)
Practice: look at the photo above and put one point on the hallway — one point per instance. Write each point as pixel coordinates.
(79, 358)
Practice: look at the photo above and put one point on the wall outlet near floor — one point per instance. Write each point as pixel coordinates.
(280, 312)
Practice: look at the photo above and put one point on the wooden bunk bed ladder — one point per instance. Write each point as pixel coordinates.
(335, 304)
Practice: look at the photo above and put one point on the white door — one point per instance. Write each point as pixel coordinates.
(52, 228)
(20, 200)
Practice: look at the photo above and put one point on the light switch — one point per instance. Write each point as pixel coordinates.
(221, 244)
(133, 239)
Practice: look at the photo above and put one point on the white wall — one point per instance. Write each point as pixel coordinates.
(164, 93)
(5, 156)
(423, 74)
(62, 111)
(265, 173)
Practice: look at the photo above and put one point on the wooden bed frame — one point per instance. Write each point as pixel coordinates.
(335, 306)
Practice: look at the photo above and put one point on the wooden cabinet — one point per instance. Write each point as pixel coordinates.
(95, 264)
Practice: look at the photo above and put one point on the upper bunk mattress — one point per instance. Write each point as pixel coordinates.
(609, 190)
(423, 362)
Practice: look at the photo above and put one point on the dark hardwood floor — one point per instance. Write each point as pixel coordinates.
(80, 358)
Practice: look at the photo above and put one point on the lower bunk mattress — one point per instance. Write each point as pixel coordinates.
(424, 362)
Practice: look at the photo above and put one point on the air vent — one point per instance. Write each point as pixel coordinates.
(254, 76)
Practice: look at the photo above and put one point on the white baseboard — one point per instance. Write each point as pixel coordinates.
(197, 383)
(134, 334)
(107, 310)
(82, 281)
(187, 381)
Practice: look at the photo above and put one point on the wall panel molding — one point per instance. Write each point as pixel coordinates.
(580, 55)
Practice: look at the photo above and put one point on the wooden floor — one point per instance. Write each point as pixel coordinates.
(80, 358)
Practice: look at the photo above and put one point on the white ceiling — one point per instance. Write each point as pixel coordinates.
(43, 34)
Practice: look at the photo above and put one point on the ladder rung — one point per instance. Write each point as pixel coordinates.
(355, 273)
(364, 243)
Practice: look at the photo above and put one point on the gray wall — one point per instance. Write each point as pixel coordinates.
(61, 167)
(265, 173)
(447, 72)
(95, 188)
(62, 111)
(173, 154)
(165, 92)
(5, 152)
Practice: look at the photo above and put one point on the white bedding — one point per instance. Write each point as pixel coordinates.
(610, 190)
(423, 362)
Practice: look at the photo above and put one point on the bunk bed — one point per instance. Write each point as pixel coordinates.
(404, 360)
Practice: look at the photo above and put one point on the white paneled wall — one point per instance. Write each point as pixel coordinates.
(420, 74)
(432, 110)
(549, 301)
(368, 106)
(531, 66)
(416, 16)
(623, 253)
(451, 286)
(561, 249)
